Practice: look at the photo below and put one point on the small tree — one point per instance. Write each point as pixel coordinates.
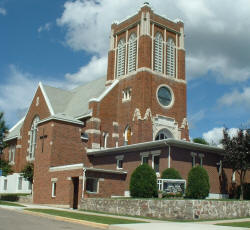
(28, 172)
(143, 182)
(171, 173)
(198, 183)
(237, 155)
(3, 130)
(200, 140)
(6, 167)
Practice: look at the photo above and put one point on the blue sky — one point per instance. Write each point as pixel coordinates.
(65, 43)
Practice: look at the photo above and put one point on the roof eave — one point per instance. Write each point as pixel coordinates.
(158, 144)
(60, 119)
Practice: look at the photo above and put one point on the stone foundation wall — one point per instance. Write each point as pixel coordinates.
(174, 209)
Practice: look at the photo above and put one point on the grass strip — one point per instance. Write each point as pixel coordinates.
(165, 219)
(10, 203)
(80, 216)
(245, 224)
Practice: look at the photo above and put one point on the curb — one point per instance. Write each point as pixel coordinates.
(83, 222)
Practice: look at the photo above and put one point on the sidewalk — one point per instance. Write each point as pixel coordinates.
(153, 224)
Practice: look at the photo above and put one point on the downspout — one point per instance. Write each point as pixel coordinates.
(83, 181)
(169, 155)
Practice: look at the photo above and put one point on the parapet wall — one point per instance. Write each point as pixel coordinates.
(169, 209)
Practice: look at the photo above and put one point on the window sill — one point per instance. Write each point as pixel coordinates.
(91, 192)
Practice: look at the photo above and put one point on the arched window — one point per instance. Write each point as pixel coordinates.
(121, 58)
(127, 136)
(158, 52)
(33, 132)
(132, 45)
(163, 134)
(170, 57)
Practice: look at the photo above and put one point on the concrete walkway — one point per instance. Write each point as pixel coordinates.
(153, 224)
(171, 225)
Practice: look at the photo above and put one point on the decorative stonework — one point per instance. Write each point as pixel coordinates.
(147, 116)
(175, 209)
(162, 122)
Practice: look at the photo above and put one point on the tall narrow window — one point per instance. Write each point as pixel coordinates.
(170, 57)
(12, 151)
(127, 136)
(156, 163)
(53, 189)
(33, 132)
(20, 183)
(132, 45)
(158, 52)
(121, 58)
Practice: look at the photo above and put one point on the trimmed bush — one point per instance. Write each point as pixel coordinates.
(246, 191)
(143, 182)
(9, 197)
(171, 173)
(198, 183)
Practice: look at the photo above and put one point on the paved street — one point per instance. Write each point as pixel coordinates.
(10, 220)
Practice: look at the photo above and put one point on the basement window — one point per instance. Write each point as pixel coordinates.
(92, 185)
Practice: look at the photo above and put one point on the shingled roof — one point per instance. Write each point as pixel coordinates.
(71, 103)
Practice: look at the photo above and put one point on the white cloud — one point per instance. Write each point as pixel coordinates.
(45, 27)
(3, 11)
(16, 94)
(215, 135)
(236, 98)
(217, 40)
(196, 117)
(96, 68)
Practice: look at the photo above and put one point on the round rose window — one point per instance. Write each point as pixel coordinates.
(164, 96)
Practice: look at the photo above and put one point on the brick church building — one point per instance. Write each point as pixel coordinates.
(87, 141)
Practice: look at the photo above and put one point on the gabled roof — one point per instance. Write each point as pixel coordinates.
(14, 132)
(74, 102)
(67, 105)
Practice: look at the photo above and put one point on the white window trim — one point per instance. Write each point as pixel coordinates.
(132, 52)
(121, 53)
(119, 158)
(153, 156)
(201, 156)
(172, 95)
(171, 58)
(158, 52)
(53, 191)
(97, 187)
(193, 159)
(144, 154)
(33, 137)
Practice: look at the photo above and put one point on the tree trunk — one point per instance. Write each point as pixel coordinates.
(242, 179)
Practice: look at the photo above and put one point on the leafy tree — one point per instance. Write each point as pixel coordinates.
(143, 182)
(171, 173)
(200, 140)
(28, 172)
(3, 130)
(6, 167)
(198, 183)
(237, 155)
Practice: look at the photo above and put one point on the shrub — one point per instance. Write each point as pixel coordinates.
(246, 191)
(171, 173)
(28, 172)
(143, 182)
(198, 183)
(9, 197)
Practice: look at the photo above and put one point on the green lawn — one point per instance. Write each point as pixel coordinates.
(10, 203)
(80, 216)
(237, 224)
